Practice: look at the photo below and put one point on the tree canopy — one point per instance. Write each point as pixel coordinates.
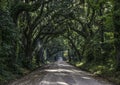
(32, 32)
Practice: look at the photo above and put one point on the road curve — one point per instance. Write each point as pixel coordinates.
(59, 73)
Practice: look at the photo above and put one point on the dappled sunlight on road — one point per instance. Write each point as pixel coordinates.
(86, 77)
(59, 73)
(64, 71)
(52, 83)
(59, 70)
(65, 65)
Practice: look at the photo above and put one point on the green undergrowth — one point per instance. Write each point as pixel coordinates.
(8, 75)
(11, 74)
(100, 70)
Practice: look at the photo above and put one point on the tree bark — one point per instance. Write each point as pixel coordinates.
(116, 19)
(77, 51)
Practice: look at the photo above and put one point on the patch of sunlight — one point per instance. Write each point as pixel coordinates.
(52, 83)
(85, 77)
(65, 65)
(52, 70)
(101, 66)
(48, 62)
(65, 53)
(62, 83)
(97, 72)
(64, 71)
(58, 70)
(111, 69)
(79, 64)
(44, 82)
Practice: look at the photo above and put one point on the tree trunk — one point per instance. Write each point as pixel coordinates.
(116, 19)
(77, 51)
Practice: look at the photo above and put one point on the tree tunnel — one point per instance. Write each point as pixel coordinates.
(35, 32)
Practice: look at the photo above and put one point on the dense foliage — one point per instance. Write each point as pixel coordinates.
(35, 32)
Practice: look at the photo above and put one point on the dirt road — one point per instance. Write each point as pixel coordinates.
(59, 73)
